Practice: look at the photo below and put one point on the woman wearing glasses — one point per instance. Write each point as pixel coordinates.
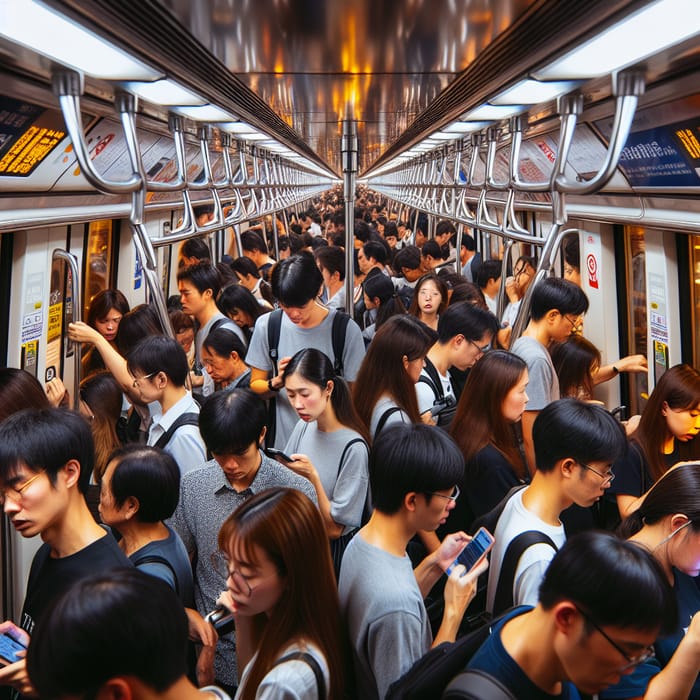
(282, 592)
(667, 523)
(666, 434)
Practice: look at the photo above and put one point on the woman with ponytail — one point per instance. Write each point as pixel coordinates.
(329, 444)
(380, 295)
(667, 523)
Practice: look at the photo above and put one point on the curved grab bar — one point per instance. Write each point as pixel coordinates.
(206, 159)
(68, 87)
(176, 128)
(476, 147)
(510, 221)
(627, 88)
(72, 263)
(516, 130)
(492, 135)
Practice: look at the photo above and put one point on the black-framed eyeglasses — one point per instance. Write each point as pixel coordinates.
(632, 661)
(575, 322)
(607, 476)
(452, 497)
(481, 348)
(221, 565)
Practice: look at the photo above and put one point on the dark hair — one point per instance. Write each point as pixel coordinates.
(489, 270)
(332, 260)
(223, 341)
(18, 390)
(362, 230)
(432, 248)
(445, 226)
(382, 370)
(579, 430)
(159, 353)
(253, 241)
(479, 417)
(376, 250)
(559, 294)
(283, 243)
(316, 367)
(201, 276)
(465, 319)
(390, 230)
(288, 528)
(296, 280)
(390, 304)
(103, 396)
(231, 421)
(196, 247)
(200, 210)
(245, 267)
(149, 475)
(235, 296)
(408, 257)
(572, 252)
(470, 293)
(468, 241)
(70, 653)
(575, 361)
(679, 387)
(414, 309)
(46, 439)
(591, 562)
(103, 302)
(140, 322)
(180, 321)
(677, 491)
(296, 242)
(417, 457)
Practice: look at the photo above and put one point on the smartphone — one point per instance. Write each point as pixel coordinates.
(272, 452)
(222, 619)
(9, 648)
(475, 551)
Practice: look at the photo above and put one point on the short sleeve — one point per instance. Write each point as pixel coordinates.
(539, 384)
(353, 351)
(628, 474)
(258, 354)
(526, 587)
(350, 490)
(425, 396)
(160, 571)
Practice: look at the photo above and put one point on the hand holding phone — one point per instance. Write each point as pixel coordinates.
(10, 649)
(275, 453)
(479, 546)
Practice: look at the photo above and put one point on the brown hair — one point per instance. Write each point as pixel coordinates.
(414, 309)
(288, 527)
(574, 361)
(382, 371)
(679, 387)
(479, 417)
(18, 390)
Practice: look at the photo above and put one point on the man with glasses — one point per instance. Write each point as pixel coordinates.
(465, 332)
(46, 461)
(233, 425)
(602, 603)
(556, 308)
(575, 444)
(414, 470)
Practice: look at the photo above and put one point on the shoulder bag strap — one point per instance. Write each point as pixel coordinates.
(183, 419)
(157, 559)
(311, 661)
(384, 418)
(340, 327)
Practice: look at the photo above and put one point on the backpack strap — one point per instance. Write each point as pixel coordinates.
(274, 325)
(352, 442)
(311, 661)
(157, 559)
(432, 380)
(384, 418)
(506, 577)
(339, 330)
(475, 684)
(183, 419)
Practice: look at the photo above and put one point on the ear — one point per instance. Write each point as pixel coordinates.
(263, 432)
(566, 617)
(664, 408)
(71, 469)
(208, 293)
(330, 384)
(409, 501)
(115, 689)
(678, 520)
(566, 466)
(552, 315)
(131, 506)
(404, 361)
(458, 341)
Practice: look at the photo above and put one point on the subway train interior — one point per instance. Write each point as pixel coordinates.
(525, 122)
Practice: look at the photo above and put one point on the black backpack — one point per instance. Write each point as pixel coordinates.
(432, 673)
(475, 684)
(444, 407)
(183, 419)
(274, 326)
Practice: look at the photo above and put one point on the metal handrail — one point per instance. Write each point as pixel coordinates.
(492, 136)
(72, 263)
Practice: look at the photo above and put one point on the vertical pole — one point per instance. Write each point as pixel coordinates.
(349, 160)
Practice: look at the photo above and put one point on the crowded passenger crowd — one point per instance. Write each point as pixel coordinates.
(273, 500)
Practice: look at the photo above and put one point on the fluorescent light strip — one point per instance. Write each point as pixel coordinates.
(465, 127)
(641, 34)
(239, 128)
(207, 113)
(50, 34)
(494, 113)
(532, 92)
(164, 92)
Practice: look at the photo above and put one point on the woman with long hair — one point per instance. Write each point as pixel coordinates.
(249, 277)
(485, 428)
(329, 445)
(105, 313)
(385, 390)
(239, 304)
(665, 435)
(283, 594)
(381, 295)
(667, 523)
(576, 361)
(430, 299)
(20, 390)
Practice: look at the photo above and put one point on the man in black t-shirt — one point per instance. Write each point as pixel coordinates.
(46, 459)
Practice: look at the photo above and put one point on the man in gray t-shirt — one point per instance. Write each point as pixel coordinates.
(413, 472)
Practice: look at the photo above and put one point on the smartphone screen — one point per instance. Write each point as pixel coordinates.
(9, 648)
(274, 453)
(481, 544)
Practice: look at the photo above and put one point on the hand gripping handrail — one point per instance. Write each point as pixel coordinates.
(68, 87)
(627, 88)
